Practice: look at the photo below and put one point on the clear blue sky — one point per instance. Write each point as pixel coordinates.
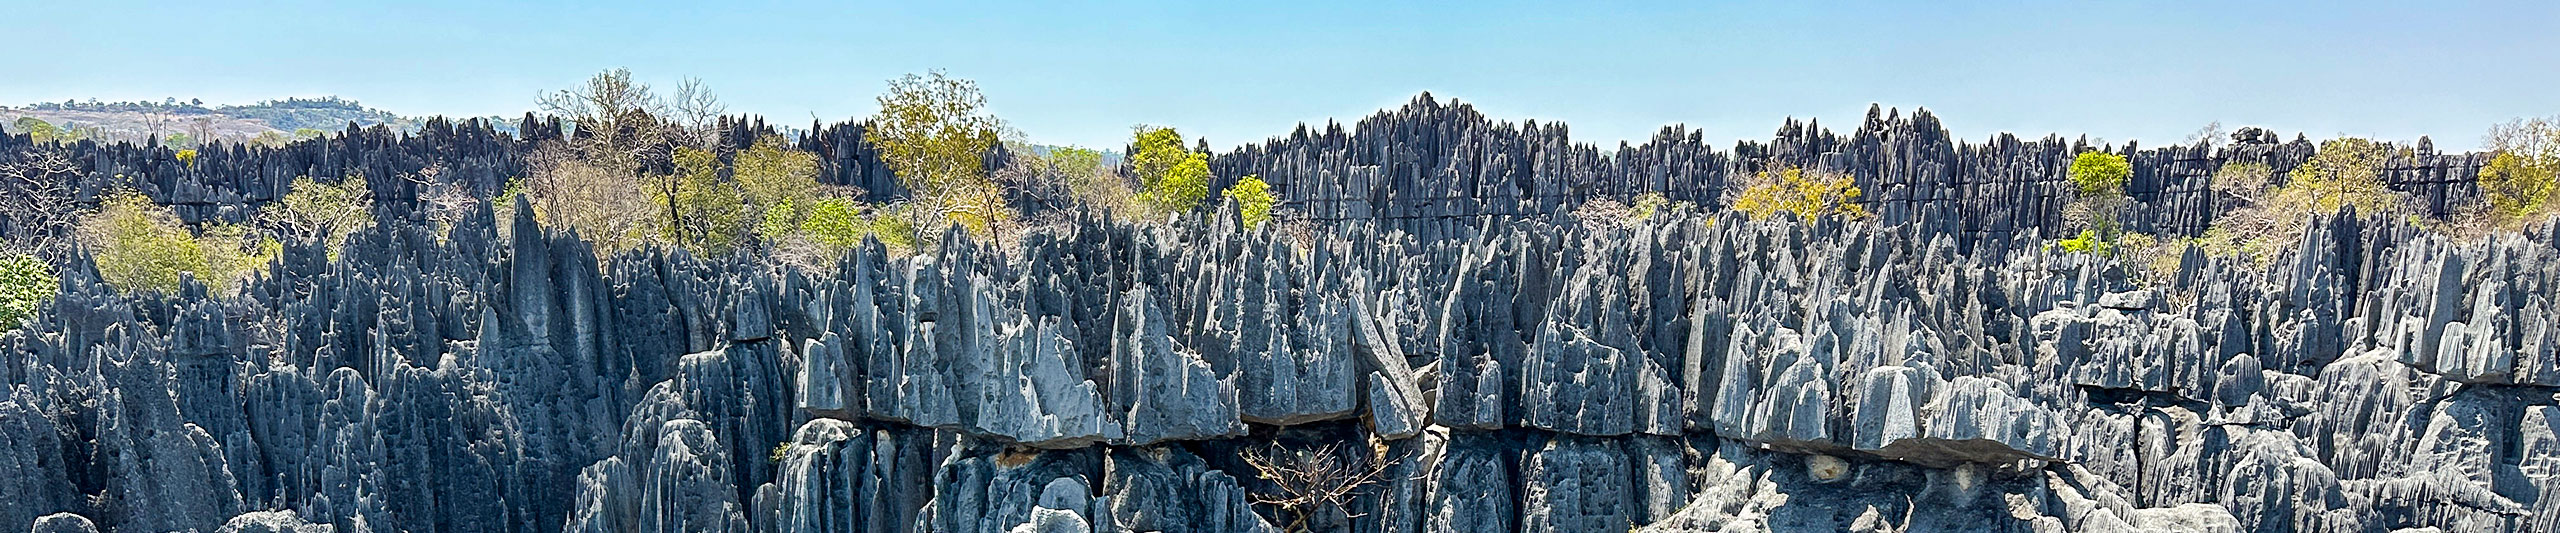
(1239, 72)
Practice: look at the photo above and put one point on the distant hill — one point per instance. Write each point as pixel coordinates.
(270, 120)
(324, 113)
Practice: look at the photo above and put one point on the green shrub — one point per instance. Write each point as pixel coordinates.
(780, 183)
(2097, 174)
(2346, 172)
(2087, 242)
(1172, 179)
(26, 283)
(835, 225)
(895, 225)
(1807, 194)
(1646, 205)
(2518, 183)
(323, 212)
(695, 208)
(142, 246)
(1253, 200)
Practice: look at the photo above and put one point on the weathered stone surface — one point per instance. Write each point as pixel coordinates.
(272, 522)
(1473, 462)
(1165, 393)
(837, 476)
(63, 523)
(1931, 370)
(1577, 484)
(686, 486)
(1169, 490)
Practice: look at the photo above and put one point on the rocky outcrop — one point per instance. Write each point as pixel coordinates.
(1685, 371)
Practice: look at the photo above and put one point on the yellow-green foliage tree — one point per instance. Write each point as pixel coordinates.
(2518, 182)
(2097, 180)
(1253, 200)
(780, 185)
(42, 132)
(26, 283)
(141, 246)
(36, 129)
(2346, 172)
(1171, 179)
(934, 132)
(1808, 195)
(835, 225)
(2100, 174)
(697, 209)
(327, 213)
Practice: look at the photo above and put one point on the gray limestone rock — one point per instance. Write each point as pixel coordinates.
(272, 522)
(686, 486)
(1039, 396)
(1933, 370)
(63, 523)
(836, 476)
(1165, 489)
(1577, 484)
(1492, 504)
(826, 382)
(1162, 392)
(1046, 520)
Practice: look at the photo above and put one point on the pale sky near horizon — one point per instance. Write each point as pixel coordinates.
(1240, 72)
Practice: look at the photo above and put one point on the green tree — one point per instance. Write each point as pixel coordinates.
(2098, 179)
(934, 132)
(2345, 172)
(2519, 181)
(2099, 174)
(142, 246)
(835, 225)
(26, 283)
(1253, 200)
(1806, 194)
(780, 185)
(37, 129)
(322, 212)
(700, 211)
(1171, 179)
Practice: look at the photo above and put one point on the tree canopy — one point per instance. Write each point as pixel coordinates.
(1806, 194)
(1171, 179)
(934, 131)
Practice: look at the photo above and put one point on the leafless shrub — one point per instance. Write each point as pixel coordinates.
(594, 197)
(36, 203)
(1316, 477)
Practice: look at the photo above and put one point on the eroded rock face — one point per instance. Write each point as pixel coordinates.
(1686, 372)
